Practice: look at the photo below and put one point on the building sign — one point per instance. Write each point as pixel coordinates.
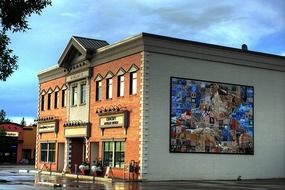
(211, 117)
(50, 127)
(78, 76)
(77, 131)
(12, 134)
(114, 120)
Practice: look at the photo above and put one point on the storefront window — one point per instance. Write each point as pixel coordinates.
(114, 153)
(47, 152)
(108, 153)
(119, 154)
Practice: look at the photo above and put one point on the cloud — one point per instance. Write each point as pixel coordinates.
(258, 23)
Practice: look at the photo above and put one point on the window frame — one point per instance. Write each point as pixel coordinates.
(133, 82)
(109, 88)
(47, 154)
(63, 98)
(99, 90)
(49, 101)
(121, 86)
(114, 157)
(83, 93)
(74, 95)
(56, 98)
(43, 102)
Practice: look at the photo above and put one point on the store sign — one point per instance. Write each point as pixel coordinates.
(78, 76)
(12, 134)
(77, 131)
(48, 127)
(115, 120)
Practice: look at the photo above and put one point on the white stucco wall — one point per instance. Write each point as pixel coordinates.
(80, 112)
(268, 160)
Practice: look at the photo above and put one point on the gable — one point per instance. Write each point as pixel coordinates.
(79, 49)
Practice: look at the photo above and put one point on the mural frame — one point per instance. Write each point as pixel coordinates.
(210, 117)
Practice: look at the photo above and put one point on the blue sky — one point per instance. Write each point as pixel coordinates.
(258, 23)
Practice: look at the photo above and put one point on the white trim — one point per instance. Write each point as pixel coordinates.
(109, 75)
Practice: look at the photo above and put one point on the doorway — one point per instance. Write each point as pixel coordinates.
(94, 151)
(60, 157)
(77, 152)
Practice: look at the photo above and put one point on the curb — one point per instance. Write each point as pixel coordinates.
(49, 184)
(74, 176)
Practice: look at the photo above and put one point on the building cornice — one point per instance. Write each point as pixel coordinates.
(51, 74)
(203, 51)
(175, 47)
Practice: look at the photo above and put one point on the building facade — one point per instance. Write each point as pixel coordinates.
(180, 109)
(17, 143)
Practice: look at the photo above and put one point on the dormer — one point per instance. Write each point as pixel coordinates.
(78, 50)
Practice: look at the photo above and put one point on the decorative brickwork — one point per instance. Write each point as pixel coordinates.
(144, 97)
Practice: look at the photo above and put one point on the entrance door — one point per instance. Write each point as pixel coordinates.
(77, 152)
(60, 157)
(94, 151)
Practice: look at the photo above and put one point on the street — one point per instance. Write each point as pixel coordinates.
(10, 178)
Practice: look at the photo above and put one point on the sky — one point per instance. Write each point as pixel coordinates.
(258, 23)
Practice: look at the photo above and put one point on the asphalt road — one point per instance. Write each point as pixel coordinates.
(11, 179)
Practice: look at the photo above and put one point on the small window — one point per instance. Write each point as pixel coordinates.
(56, 99)
(74, 96)
(43, 103)
(133, 83)
(83, 93)
(109, 87)
(49, 101)
(63, 98)
(120, 86)
(98, 90)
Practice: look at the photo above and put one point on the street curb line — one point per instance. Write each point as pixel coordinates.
(74, 176)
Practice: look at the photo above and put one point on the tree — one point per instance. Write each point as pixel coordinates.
(13, 17)
(3, 117)
(23, 122)
(2, 132)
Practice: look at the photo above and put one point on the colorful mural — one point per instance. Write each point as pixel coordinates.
(211, 117)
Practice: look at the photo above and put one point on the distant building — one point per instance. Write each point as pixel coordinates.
(180, 109)
(17, 143)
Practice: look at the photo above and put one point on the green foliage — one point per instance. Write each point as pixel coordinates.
(23, 122)
(3, 117)
(2, 132)
(13, 17)
(8, 62)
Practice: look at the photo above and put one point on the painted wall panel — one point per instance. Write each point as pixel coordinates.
(268, 160)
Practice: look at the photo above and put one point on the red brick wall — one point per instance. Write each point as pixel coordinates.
(60, 112)
(131, 102)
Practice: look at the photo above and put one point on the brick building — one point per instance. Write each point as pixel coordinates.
(148, 97)
(17, 142)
